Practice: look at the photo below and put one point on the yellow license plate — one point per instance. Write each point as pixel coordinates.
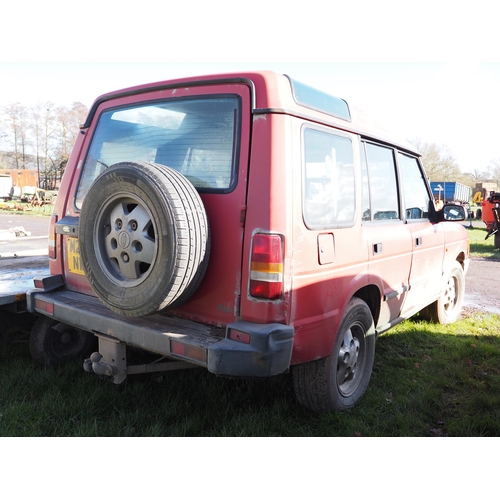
(74, 261)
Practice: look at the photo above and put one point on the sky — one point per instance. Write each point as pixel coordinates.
(454, 104)
(370, 53)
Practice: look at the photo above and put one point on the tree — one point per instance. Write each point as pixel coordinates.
(439, 162)
(16, 125)
(40, 137)
(494, 170)
(69, 120)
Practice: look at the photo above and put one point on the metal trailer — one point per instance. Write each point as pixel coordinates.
(16, 279)
(50, 342)
(451, 191)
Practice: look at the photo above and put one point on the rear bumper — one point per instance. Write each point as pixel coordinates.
(265, 351)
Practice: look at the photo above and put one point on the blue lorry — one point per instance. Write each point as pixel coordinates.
(451, 191)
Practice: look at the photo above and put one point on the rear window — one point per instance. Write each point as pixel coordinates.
(196, 137)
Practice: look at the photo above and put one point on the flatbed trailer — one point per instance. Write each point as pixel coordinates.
(50, 342)
(16, 279)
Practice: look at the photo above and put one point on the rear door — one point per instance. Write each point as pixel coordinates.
(201, 131)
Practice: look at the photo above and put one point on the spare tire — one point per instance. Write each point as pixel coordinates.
(144, 238)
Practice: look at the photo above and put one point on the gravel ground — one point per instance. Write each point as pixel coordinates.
(482, 286)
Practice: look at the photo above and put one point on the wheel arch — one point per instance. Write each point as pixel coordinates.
(461, 259)
(372, 296)
(310, 340)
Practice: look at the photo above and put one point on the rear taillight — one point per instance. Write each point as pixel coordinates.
(52, 237)
(44, 306)
(266, 267)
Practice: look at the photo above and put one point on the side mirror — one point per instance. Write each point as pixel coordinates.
(454, 213)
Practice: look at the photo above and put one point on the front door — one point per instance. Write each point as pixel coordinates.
(427, 237)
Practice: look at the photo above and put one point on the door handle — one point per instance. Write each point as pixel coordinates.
(377, 248)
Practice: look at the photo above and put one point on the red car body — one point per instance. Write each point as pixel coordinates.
(291, 243)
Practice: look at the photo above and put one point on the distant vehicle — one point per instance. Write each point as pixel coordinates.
(248, 224)
(5, 186)
(449, 192)
(490, 214)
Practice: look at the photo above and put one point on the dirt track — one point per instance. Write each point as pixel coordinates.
(482, 286)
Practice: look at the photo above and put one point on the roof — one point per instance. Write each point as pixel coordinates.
(277, 93)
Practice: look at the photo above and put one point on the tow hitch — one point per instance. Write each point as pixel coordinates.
(111, 362)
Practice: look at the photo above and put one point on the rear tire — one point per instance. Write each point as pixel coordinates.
(447, 308)
(338, 382)
(52, 342)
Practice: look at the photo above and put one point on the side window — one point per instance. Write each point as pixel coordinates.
(365, 186)
(380, 172)
(329, 191)
(416, 196)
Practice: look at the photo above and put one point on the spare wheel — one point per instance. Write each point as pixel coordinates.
(144, 238)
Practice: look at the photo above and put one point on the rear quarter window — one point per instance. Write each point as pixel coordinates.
(328, 180)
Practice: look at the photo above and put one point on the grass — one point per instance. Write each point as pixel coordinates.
(481, 248)
(428, 380)
(25, 209)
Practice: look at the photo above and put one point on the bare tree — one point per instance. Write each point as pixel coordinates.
(477, 175)
(36, 132)
(16, 125)
(69, 120)
(494, 170)
(49, 126)
(40, 137)
(438, 161)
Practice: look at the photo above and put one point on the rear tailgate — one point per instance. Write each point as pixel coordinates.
(216, 300)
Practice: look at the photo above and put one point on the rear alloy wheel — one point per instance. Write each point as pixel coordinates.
(447, 308)
(338, 382)
(52, 342)
(144, 238)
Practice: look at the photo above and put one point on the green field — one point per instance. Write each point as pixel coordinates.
(428, 380)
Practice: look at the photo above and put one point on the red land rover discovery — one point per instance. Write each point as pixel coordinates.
(248, 224)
